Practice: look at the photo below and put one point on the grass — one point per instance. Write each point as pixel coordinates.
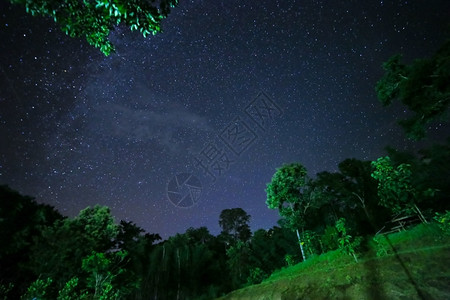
(324, 262)
(412, 264)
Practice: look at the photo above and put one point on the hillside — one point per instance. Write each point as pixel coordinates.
(416, 267)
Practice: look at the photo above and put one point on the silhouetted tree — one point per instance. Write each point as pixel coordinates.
(234, 222)
(351, 191)
(21, 223)
(269, 248)
(430, 168)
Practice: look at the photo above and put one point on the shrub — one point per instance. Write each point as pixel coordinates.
(330, 239)
(256, 276)
(443, 220)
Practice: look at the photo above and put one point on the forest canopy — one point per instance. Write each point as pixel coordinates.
(45, 255)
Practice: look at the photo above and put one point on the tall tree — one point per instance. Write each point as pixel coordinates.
(185, 266)
(290, 193)
(351, 191)
(22, 220)
(421, 86)
(234, 222)
(395, 187)
(199, 235)
(94, 19)
(139, 246)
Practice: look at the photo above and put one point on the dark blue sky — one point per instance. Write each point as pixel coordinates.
(79, 129)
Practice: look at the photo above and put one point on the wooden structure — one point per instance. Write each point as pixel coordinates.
(400, 223)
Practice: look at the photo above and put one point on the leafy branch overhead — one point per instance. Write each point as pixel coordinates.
(94, 19)
(423, 87)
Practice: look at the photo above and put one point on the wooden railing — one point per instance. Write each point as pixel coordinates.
(400, 223)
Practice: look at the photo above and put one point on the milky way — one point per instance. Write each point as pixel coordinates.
(79, 129)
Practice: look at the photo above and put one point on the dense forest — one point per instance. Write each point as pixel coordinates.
(44, 255)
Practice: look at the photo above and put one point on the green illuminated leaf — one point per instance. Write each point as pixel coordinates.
(94, 19)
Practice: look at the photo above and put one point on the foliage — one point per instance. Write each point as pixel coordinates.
(140, 247)
(443, 219)
(38, 290)
(382, 248)
(199, 235)
(100, 280)
(234, 222)
(430, 170)
(186, 265)
(270, 248)
(94, 20)
(422, 86)
(4, 290)
(256, 276)
(22, 221)
(103, 269)
(395, 187)
(284, 194)
(312, 242)
(59, 252)
(14, 211)
(69, 291)
(289, 260)
(433, 171)
(238, 263)
(347, 243)
(329, 238)
(98, 224)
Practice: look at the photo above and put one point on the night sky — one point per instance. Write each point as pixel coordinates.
(227, 93)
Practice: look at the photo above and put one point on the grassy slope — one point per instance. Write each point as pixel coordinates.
(420, 262)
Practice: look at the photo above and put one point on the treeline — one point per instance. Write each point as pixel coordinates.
(44, 255)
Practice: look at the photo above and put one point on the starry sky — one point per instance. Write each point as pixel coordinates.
(174, 128)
